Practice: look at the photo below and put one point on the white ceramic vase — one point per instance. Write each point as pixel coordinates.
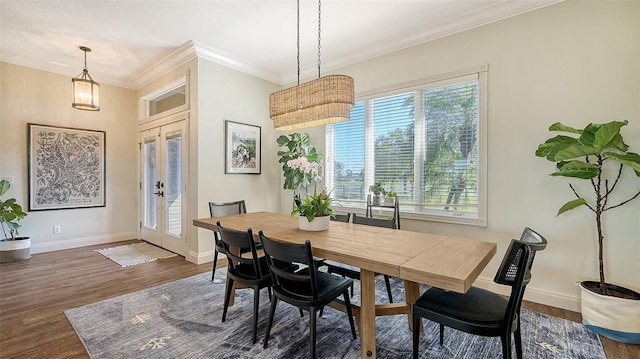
(318, 223)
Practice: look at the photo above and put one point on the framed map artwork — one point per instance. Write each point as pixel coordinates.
(242, 148)
(66, 168)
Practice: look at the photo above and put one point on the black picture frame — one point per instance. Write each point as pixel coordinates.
(66, 167)
(243, 152)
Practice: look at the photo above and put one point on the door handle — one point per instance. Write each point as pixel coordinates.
(159, 193)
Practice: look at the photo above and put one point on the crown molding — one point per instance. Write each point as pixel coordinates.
(210, 54)
(178, 57)
(187, 52)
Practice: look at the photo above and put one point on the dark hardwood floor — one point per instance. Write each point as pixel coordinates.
(35, 293)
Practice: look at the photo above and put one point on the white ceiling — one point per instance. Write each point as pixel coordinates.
(257, 37)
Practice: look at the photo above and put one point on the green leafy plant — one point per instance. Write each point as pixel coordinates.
(302, 166)
(312, 206)
(377, 188)
(299, 172)
(10, 212)
(583, 156)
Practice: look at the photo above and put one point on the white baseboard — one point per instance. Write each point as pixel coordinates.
(535, 295)
(199, 258)
(81, 242)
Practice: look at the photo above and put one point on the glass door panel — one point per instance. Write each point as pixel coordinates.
(150, 183)
(163, 168)
(173, 183)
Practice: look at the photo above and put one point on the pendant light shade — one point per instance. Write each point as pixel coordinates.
(323, 101)
(86, 92)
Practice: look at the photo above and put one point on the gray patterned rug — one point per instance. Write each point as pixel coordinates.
(132, 254)
(182, 319)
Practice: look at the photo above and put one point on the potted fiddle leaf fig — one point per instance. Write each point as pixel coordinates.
(598, 154)
(12, 248)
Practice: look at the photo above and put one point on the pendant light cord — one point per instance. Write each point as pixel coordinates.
(298, 38)
(319, 17)
(298, 30)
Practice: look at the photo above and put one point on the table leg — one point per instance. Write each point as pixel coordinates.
(367, 314)
(412, 293)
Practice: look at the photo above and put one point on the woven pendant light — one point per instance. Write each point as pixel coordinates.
(324, 101)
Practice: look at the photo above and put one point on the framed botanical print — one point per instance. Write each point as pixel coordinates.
(242, 148)
(66, 168)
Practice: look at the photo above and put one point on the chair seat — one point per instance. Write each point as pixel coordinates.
(343, 269)
(329, 287)
(248, 272)
(352, 272)
(477, 305)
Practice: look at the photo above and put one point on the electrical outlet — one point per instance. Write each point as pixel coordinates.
(57, 229)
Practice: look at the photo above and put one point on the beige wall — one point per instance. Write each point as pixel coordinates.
(575, 62)
(33, 96)
(226, 94)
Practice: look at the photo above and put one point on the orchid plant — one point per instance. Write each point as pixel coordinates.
(302, 166)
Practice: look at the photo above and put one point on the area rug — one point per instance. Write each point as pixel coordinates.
(132, 254)
(182, 319)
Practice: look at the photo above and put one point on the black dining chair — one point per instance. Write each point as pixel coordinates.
(341, 217)
(537, 243)
(307, 288)
(480, 311)
(220, 209)
(249, 270)
(354, 272)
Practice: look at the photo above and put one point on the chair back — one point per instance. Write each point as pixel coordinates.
(537, 243)
(512, 272)
(301, 283)
(346, 218)
(220, 209)
(236, 244)
(377, 222)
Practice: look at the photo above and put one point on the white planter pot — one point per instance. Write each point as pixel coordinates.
(16, 250)
(318, 223)
(377, 200)
(612, 317)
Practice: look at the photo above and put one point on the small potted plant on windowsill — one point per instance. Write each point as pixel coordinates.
(390, 198)
(608, 309)
(377, 193)
(12, 248)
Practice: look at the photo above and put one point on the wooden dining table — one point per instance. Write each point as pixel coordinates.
(437, 260)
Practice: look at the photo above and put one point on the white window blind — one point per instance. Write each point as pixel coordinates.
(421, 142)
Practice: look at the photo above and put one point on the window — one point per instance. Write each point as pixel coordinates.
(171, 99)
(165, 101)
(423, 141)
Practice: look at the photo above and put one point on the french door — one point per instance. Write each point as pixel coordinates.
(163, 159)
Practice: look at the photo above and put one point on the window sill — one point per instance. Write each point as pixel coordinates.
(468, 221)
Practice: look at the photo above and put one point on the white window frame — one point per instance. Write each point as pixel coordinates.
(480, 73)
(144, 101)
